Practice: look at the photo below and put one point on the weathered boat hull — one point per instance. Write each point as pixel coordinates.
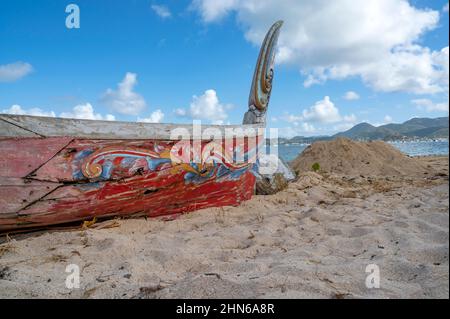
(45, 181)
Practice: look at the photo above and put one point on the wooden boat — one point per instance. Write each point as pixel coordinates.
(55, 170)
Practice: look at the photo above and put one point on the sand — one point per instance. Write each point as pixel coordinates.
(344, 156)
(312, 240)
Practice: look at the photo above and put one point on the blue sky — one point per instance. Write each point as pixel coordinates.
(339, 62)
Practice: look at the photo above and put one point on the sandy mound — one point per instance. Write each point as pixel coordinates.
(344, 156)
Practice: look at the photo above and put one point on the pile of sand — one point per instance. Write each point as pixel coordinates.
(344, 156)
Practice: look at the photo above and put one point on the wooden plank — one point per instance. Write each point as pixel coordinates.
(17, 193)
(124, 199)
(21, 156)
(9, 130)
(93, 129)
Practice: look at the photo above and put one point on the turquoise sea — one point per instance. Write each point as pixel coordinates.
(413, 148)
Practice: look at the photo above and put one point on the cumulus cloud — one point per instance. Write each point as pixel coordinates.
(18, 110)
(124, 100)
(411, 69)
(180, 112)
(376, 40)
(324, 111)
(82, 111)
(86, 112)
(215, 10)
(206, 107)
(14, 71)
(351, 96)
(156, 117)
(162, 11)
(430, 106)
(306, 127)
(318, 118)
(292, 118)
(387, 119)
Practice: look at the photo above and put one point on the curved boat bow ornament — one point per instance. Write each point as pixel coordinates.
(262, 79)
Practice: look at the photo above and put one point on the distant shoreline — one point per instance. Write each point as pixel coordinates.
(321, 138)
(289, 151)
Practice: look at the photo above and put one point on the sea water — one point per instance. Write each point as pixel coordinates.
(412, 148)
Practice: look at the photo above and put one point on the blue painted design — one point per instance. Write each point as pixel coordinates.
(84, 153)
(127, 161)
(255, 168)
(106, 170)
(153, 163)
(191, 177)
(219, 172)
(77, 175)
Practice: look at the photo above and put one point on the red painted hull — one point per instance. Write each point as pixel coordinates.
(48, 181)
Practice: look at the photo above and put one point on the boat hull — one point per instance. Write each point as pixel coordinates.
(54, 180)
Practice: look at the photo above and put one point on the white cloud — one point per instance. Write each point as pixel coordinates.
(411, 69)
(376, 40)
(350, 118)
(351, 96)
(206, 107)
(387, 119)
(180, 112)
(445, 8)
(323, 111)
(14, 71)
(430, 106)
(292, 118)
(18, 110)
(161, 10)
(124, 100)
(86, 111)
(156, 117)
(309, 128)
(214, 9)
(82, 111)
(317, 119)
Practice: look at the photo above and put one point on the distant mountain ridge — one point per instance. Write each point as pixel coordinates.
(420, 128)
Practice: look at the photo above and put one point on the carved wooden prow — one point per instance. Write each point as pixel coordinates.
(262, 79)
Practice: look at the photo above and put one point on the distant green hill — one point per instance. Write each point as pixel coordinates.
(367, 131)
(417, 124)
(413, 128)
